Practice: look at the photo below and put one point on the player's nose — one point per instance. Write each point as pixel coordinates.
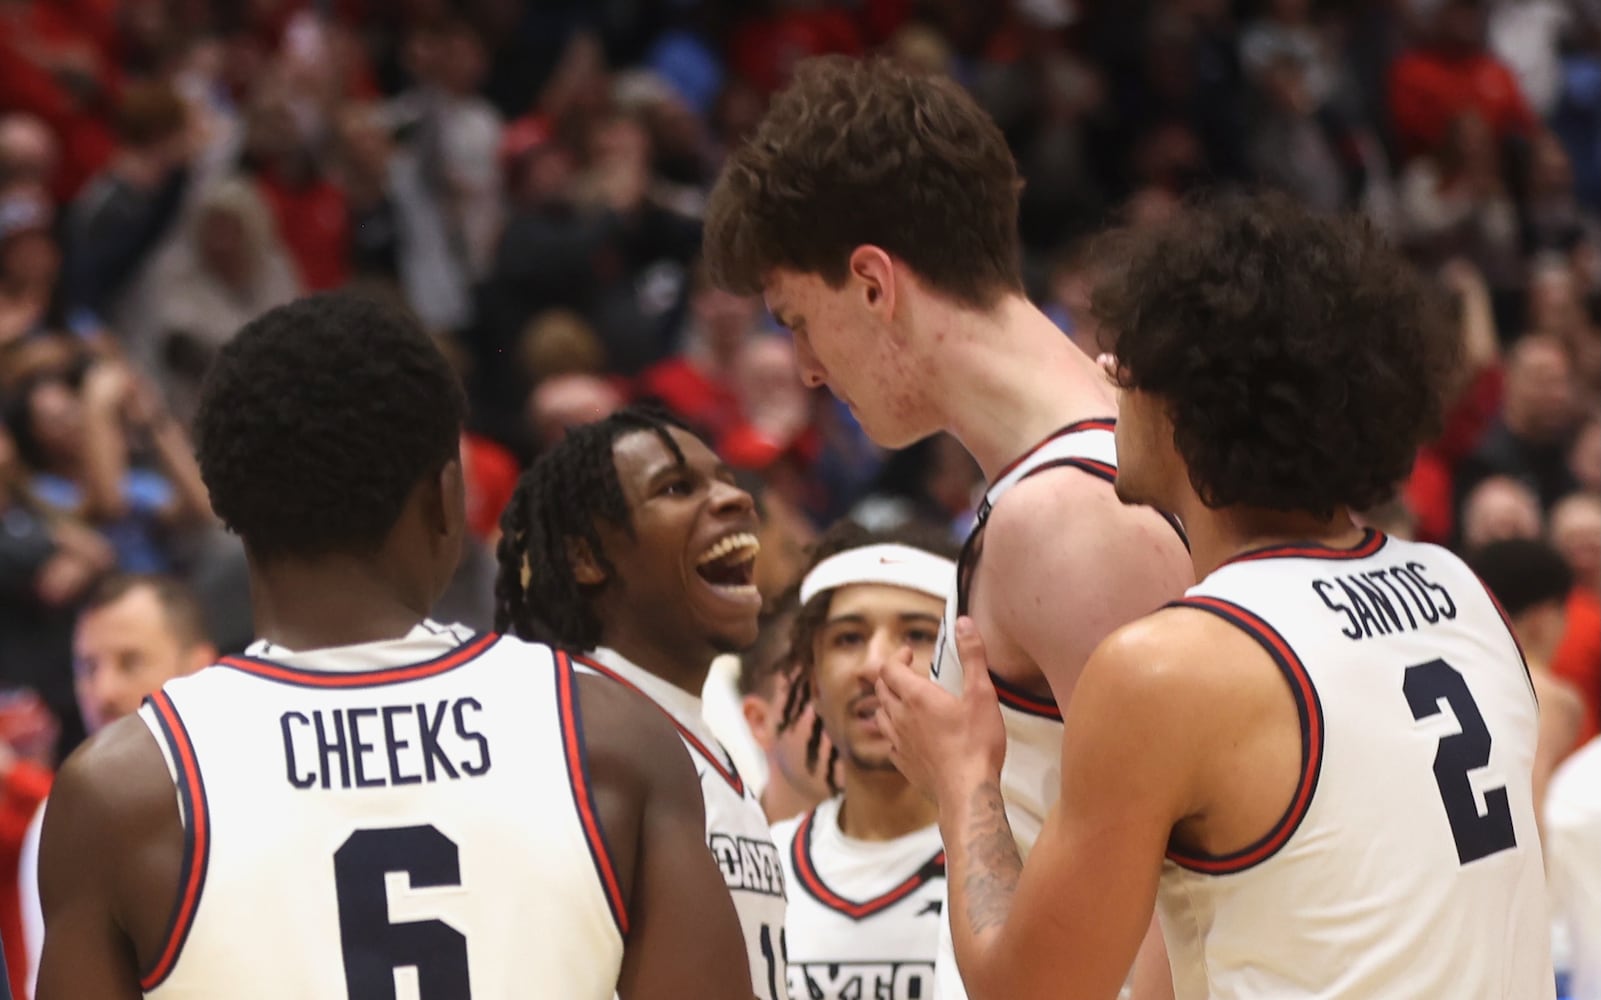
(806, 364)
(729, 499)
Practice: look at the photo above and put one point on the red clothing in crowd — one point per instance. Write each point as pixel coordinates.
(711, 406)
(1429, 491)
(1428, 89)
(491, 473)
(314, 224)
(31, 37)
(21, 793)
(1578, 658)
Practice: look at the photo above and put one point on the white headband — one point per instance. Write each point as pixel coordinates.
(893, 565)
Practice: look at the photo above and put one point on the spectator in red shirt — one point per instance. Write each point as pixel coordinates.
(1451, 73)
(311, 211)
(699, 383)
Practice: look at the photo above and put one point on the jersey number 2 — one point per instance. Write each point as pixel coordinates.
(374, 947)
(1477, 836)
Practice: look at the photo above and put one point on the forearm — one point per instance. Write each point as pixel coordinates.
(983, 867)
(178, 460)
(105, 463)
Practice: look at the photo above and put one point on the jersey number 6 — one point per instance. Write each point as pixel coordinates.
(1477, 836)
(374, 948)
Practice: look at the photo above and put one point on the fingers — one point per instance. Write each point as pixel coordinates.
(975, 664)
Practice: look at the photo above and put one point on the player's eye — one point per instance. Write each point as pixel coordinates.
(677, 487)
(921, 636)
(846, 640)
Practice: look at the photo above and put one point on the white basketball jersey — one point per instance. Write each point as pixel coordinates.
(865, 919)
(406, 819)
(1408, 863)
(1573, 847)
(736, 827)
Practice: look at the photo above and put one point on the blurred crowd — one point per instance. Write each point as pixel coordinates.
(527, 177)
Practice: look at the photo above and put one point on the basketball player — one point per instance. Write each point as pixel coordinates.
(1317, 764)
(629, 545)
(868, 862)
(796, 780)
(876, 210)
(369, 804)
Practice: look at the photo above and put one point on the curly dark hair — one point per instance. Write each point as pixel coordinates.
(318, 419)
(860, 152)
(560, 498)
(1302, 361)
(841, 537)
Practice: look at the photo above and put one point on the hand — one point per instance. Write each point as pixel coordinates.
(944, 745)
(64, 578)
(142, 405)
(1462, 277)
(107, 385)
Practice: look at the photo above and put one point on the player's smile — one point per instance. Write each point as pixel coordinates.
(726, 567)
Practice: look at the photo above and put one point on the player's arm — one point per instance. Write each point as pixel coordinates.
(1069, 923)
(111, 832)
(684, 936)
(1066, 564)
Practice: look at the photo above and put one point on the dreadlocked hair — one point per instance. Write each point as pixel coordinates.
(560, 500)
(842, 537)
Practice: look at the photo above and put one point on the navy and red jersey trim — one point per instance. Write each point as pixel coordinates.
(1310, 710)
(1092, 424)
(1372, 541)
(1027, 702)
(196, 841)
(574, 752)
(800, 853)
(728, 772)
(1506, 620)
(300, 677)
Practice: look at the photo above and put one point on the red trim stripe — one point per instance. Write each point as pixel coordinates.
(800, 851)
(727, 771)
(1093, 424)
(197, 841)
(1310, 710)
(578, 778)
(268, 670)
(1372, 541)
(1019, 700)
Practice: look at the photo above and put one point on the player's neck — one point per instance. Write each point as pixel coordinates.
(330, 602)
(1216, 536)
(684, 669)
(1012, 378)
(882, 805)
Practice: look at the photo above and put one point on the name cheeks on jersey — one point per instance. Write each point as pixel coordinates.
(385, 745)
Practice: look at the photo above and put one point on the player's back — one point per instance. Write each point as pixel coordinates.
(357, 818)
(1408, 863)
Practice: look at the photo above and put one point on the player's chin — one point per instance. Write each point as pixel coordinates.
(736, 638)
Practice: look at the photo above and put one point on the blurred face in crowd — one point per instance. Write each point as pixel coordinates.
(55, 415)
(224, 247)
(724, 319)
(1539, 401)
(30, 260)
(126, 650)
(866, 625)
(1497, 509)
(1576, 533)
(1554, 303)
(1584, 459)
(28, 151)
(1460, 24)
(565, 401)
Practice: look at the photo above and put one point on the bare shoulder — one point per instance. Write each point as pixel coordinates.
(117, 780)
(1168, 663)
(1065, 564)
(1066, 514)
(627, 736)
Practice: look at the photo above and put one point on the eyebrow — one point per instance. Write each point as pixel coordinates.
(905, 617)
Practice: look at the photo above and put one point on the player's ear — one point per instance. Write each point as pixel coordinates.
(586, 568)
(447, 508)
(758, 719)
(873, 275)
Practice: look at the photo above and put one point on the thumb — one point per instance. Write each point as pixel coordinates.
(975, 664)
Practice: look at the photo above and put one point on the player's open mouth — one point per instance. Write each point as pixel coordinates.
(729, 566)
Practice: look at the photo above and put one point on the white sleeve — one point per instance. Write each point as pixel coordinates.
(28, 896)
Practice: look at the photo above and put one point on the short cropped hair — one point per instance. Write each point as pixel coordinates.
(860, 152)
(1522, 573)
(1302, 360)
(318, 420)
(178, 602)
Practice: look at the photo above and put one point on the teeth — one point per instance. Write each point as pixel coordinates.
(733, 543)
